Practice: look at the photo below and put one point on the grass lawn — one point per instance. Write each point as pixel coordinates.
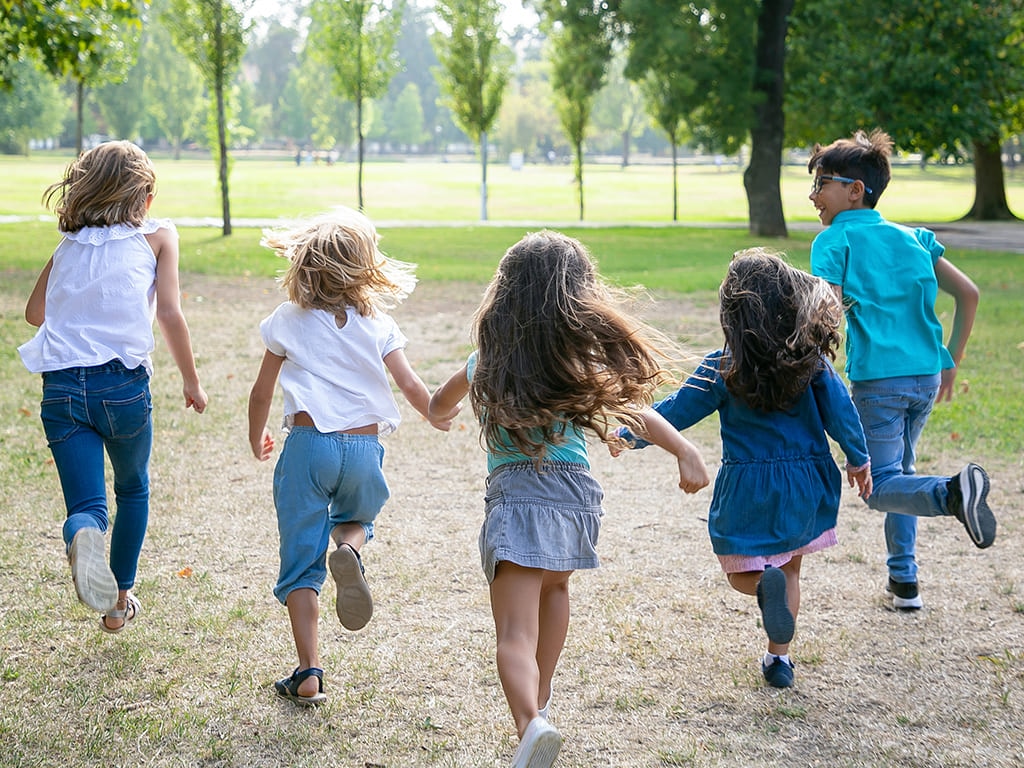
(660, 667)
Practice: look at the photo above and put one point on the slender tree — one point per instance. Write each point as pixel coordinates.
(355, 39)
(474, 71)
(581, 46)
(212, 34)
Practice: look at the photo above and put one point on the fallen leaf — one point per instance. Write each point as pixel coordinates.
(184, 573)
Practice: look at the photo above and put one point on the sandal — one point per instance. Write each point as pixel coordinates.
(289, 687)
(132, 609)
(354, 604)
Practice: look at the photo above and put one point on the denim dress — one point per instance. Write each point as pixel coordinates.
(778, 487)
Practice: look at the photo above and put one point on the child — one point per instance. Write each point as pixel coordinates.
(333, 344)
(887, 277)
(776, 496)
(94, 304)
(554, 356)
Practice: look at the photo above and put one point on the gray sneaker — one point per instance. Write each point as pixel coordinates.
(966, 498)
(94, 582)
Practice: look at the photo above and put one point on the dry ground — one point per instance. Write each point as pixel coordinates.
(660, 667)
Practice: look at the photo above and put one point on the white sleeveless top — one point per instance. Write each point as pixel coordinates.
(337, 375)
(100, 300)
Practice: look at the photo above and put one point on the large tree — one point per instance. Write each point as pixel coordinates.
(355, 39)
(474, 70)
(212, 34)
(945, 79)
(580, 34)
(32, 107)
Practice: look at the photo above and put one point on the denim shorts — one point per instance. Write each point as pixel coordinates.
(548, 519)
(320, 481)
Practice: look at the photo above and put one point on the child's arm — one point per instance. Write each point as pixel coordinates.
(693, 474)
(260, 398)
(965, 298)
(171, 319)
(414, 390)
(35, 309)
(862, 477)
(446, 401)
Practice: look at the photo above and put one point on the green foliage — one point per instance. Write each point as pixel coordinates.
(475, 65)
(32, 107)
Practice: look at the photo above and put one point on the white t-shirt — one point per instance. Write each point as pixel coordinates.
(100, 300)
(337, 375)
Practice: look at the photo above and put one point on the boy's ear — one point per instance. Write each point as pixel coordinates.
(857, 190)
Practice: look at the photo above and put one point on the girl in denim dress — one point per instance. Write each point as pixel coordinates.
(776, 496)
(555, 356)
(94, 304)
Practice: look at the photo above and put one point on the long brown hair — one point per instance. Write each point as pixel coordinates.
(556, 349)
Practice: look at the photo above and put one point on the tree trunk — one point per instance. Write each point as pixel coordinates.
(675, 178)
(79, 116)
(989, 184)
(579, 175)
(761, 179)
(222, 143)
(360, 151)
(627, 135)
(483, 176)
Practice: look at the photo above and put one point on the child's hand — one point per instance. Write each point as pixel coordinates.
(617, 443)
(445, 424)
(264, 446)
(693, 473)
(195, 397)
(862, 477)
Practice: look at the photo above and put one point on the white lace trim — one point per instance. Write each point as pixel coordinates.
(101, 235)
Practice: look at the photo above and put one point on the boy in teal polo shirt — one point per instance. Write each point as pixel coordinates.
(888, 277)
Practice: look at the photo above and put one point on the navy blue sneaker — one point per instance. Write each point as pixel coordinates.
(778, 674)
(771, 599)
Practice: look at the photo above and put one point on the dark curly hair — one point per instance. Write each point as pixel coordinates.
(555, 349)
(778, 322)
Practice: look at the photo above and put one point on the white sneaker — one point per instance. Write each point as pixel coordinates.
(539, 746)
(94, 582)
(545, 711)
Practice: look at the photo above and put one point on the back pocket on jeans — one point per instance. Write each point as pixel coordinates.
(128, 418)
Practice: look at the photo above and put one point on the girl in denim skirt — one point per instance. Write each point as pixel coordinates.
(555, 356)
(332, 345)
(778, 400)
(94, 304)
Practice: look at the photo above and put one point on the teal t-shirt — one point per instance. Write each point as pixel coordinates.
(573, 450)
(887, 273)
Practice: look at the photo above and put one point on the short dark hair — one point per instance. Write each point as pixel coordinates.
(864, 156)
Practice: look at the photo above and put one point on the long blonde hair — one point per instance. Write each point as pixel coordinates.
(109, 184)
(335, 263)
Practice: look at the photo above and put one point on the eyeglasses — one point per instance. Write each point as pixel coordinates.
(819, 182)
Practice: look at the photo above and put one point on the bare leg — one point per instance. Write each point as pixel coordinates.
(304, 614)
(554, 624)
(515, 605)
(349, 533)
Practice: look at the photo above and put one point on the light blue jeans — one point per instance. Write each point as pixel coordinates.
(320, 481)
(893, 413)
(84, 412)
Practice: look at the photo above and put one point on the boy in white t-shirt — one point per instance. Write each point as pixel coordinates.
(332, 345)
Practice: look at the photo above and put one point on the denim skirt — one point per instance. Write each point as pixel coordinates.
(547, 519)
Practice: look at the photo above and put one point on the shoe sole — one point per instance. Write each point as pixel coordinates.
(94, 583)
(775, 615)
(978, 518)
(354, 604)
(542, 752)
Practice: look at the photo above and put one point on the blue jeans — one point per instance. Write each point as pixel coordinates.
(322, 480)
(893, 413)
(86, 411)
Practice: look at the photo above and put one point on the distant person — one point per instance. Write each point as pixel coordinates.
(332, 344)
(555, 356)
(778, 400)
(887, 277)
(94, 304)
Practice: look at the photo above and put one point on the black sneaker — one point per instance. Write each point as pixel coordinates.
(778, 674)
(905, 596)
(778, 622)
(966, 500)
